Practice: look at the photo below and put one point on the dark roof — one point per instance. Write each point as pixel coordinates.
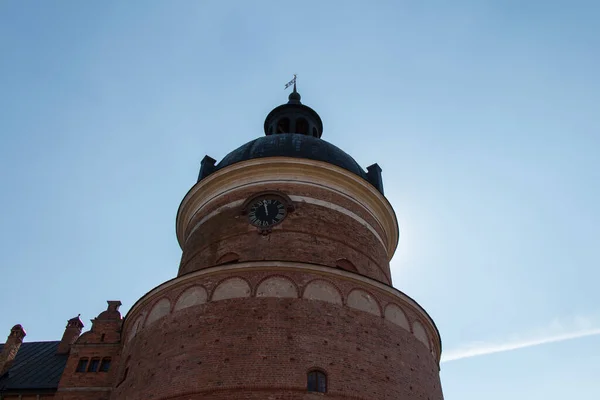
(37, 366)
(293, 145)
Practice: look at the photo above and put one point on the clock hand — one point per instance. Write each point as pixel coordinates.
(265, 204)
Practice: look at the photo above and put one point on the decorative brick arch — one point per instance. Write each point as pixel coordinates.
(421, 334)
(323, 290)
(396, 315)
(321, 370)
(192, 296)
(138, 324)
(346, 265)
(277, 286)
(317, 368)
(362, 300)
(160, 309)
(228, 258)
(231, 288)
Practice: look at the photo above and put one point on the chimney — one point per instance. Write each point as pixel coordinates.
(207, 167)
(113, 305)
(111, 313)
(72, 332)
(374, 176)
(9, 351)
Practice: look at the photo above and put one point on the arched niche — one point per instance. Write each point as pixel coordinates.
(136, 327)
(160, 309)
(395, 315)
(302, 126)
(276, 286)
(192, 296)
(420, 333)
(283, 125)
(346, 265)
(361, 300)
(231, 288)
(228, 258)
(323, 291)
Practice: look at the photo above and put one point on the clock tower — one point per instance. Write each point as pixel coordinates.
(284, 288)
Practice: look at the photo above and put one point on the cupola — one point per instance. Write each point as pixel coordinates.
(294, 117)
(293, 130)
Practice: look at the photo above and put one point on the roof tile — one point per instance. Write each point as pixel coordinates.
(37, 366)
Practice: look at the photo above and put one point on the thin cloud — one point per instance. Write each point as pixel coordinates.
(582, 329)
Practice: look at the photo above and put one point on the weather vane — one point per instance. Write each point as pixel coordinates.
(290, 83)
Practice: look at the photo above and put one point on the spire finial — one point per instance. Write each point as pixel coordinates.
(294, 97)
(290, 83)
(293, 117)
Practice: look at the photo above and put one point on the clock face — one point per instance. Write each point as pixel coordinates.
(266, 212)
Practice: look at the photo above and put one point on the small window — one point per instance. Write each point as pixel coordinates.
(94, 365)
(81, 365)
(105, 364)
(102, 337)
(317, 382)
(283, 126)
(302, 126)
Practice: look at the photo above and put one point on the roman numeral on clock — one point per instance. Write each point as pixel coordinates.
(266, 212)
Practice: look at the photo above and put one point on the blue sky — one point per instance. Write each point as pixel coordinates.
(482, 114)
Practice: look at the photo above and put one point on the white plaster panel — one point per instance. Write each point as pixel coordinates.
(160, 309)
(420, 333)
(323, 291)
(190, 297)
(231, 289)
(137, 325)
(394, 314)
(276, 286)
(363, 301)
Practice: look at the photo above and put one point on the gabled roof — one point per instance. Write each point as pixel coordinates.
(37, 366)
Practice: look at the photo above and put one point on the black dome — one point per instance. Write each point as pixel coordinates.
(293, 130)
(292, 145)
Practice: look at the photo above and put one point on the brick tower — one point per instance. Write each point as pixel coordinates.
(284, 288)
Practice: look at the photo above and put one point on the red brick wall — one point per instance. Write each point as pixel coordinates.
(102, 341)
(83, 394)
(312, 234)
(73, 379)
(259, 348)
